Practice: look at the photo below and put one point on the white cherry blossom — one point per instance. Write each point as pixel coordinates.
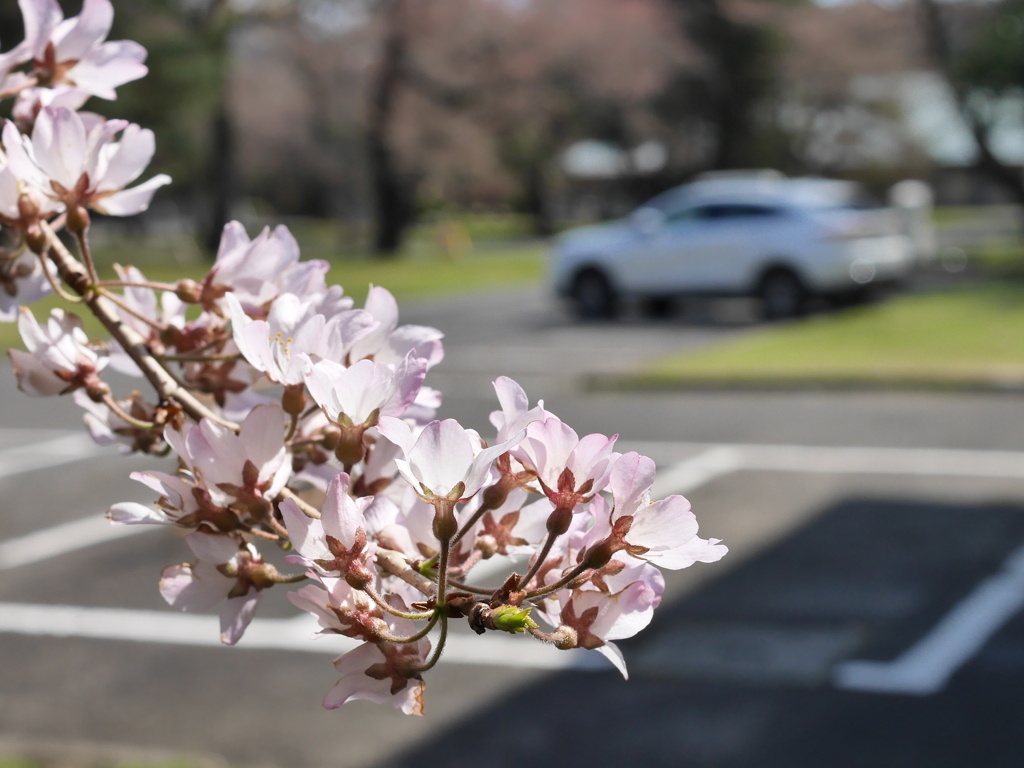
(72, 52)
(390, 342)
(250, 467)
(258, 270)
(59, 359)
(356, 392)
(281, 345)
(224, 572)
(663, 532)
(77, 166)
(444, 458)
(336, 543)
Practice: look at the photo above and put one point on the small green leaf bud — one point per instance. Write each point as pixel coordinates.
(510, 619)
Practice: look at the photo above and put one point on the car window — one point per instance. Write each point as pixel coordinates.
(722, 211)
(688, 213)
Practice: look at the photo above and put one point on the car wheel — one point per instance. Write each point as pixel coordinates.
(782, 294)
(594, 296)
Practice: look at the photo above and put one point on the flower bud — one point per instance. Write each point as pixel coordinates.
(78, 220)
(486, 545)
(357, 576)
(97, 390)
(293, 402)
(601, 553)
(331, 436)
(28, 209)
(445, 524)
(36, 240)
(559, 521)
(189, 291)
(350, 449)
(565, 638)
(495, 495)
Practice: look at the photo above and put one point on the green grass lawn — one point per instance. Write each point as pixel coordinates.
(969, 336)
(420, 273)
(23, 762)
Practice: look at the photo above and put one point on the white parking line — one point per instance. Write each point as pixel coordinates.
(923, 669)
(856, 460)
(690, 474)
(294, 634)
(927, 666)
(61, 539)
(65, 449)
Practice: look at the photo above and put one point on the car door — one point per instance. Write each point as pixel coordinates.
(737, 237)
(669, 259)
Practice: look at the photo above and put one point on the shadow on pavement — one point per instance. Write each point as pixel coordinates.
(740, 673)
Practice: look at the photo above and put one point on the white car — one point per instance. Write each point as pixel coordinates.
(776, 238)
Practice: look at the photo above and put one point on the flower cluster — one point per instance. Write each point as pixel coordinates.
(302, 423)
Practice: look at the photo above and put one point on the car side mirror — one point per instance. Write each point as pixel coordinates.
(647, 221)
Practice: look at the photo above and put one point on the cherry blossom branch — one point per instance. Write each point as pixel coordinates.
(198, 358)
(72, 272)
(305, 507)
(395, 564)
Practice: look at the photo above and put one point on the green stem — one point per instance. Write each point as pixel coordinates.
(385, 606)
(538, 560)
(120, 303)
(124, 416)
(442, 571)
(83, 248)
(389, 638)
(439, 648)
(575, 573)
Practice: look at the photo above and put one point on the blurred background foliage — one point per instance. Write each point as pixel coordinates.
(381, 114)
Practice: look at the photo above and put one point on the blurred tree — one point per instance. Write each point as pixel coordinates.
(738, 73)
(185, 101)
(536, 76)
(393, 195)
(983, 62)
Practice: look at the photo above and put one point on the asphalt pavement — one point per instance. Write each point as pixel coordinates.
(867, 614)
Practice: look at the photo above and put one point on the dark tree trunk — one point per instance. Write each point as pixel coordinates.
(220, 173)
(391, 197)
(535, 200)
(740, 73)
(1008, 178)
